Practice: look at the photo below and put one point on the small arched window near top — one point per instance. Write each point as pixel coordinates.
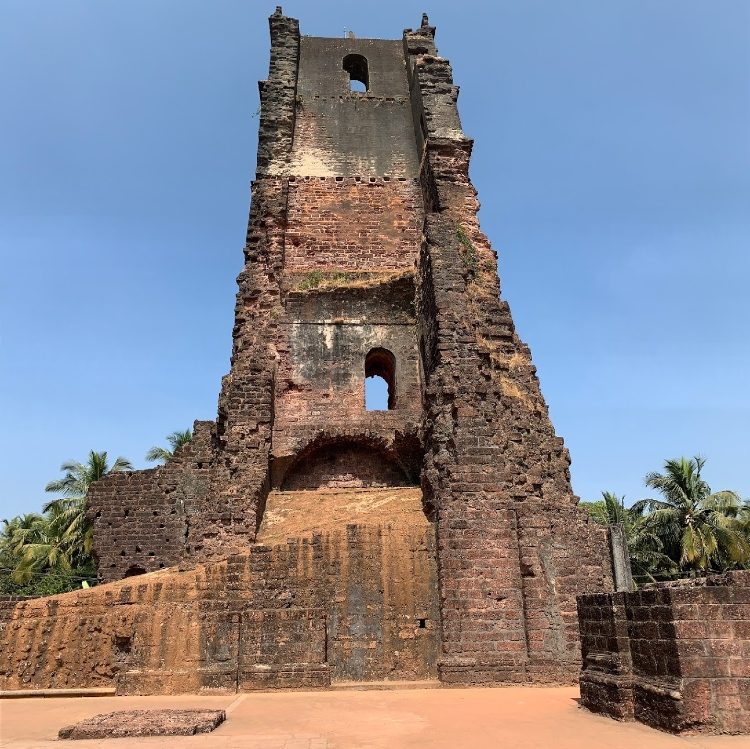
(359, 77)
(380, 380)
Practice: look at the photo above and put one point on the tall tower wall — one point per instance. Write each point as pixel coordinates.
(364, 256)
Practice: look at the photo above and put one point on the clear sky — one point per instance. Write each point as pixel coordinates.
(612, 160)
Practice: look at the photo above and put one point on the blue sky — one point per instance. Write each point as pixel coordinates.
(612, 159)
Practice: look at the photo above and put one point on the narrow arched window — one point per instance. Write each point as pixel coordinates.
(380, 380)
(359, 78)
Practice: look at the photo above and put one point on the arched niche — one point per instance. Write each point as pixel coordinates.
(345, 463)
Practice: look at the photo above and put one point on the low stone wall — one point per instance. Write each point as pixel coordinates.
(675, 656)
(327, 596)
(7, 604)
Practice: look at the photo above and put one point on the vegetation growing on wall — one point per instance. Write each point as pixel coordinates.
(468, 252)
(318, 279)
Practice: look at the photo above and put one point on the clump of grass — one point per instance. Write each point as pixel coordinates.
(339, 277)
(468, 252)
(317, 278)
(311, 281)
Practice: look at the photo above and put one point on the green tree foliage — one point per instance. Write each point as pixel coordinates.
(595, 509)
(690, 530)
(609, 509)
(175, 440)
(647, 558)
(51, 552)
(702, 531)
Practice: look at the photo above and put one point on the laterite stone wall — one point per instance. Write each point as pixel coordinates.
(675, 656)
(458, 548)
(348, 599)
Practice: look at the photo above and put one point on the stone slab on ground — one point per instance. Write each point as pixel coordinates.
(126, 723)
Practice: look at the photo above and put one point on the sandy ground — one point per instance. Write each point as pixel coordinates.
(507, 718)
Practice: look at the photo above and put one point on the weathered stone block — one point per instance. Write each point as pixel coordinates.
(688, 674)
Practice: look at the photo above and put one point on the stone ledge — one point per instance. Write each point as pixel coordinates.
(11, 694)
(382, 686)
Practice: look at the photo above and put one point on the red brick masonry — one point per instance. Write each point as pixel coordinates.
(458, 548)
(675, 656)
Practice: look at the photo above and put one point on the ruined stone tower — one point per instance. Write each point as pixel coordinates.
(301, 538)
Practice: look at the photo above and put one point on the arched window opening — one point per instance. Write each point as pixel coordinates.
(359, 79)
(376, 394)
(380, 380)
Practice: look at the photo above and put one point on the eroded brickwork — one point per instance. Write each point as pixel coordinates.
(147, 520)
(336, 467)
(364, 257)
(514, 550)
(675, 656)
(353, 224)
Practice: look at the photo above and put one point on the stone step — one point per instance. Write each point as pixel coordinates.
(15, 694)
(385, 685)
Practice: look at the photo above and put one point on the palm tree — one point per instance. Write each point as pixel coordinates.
(699, 529)
(34, 560)
(20, 523)
(68, 513)
(79, 476)
(15, 532)
(647, 558)
(38, 546)
(61, 539)
(611, 509)
(743, 520)
(175, 440)
(645, 548)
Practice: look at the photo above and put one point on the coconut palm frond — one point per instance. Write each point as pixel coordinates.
(156, 454)
(120, 464)
(700, 530)
(62, 537)
(176, 440)
(614, 507)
